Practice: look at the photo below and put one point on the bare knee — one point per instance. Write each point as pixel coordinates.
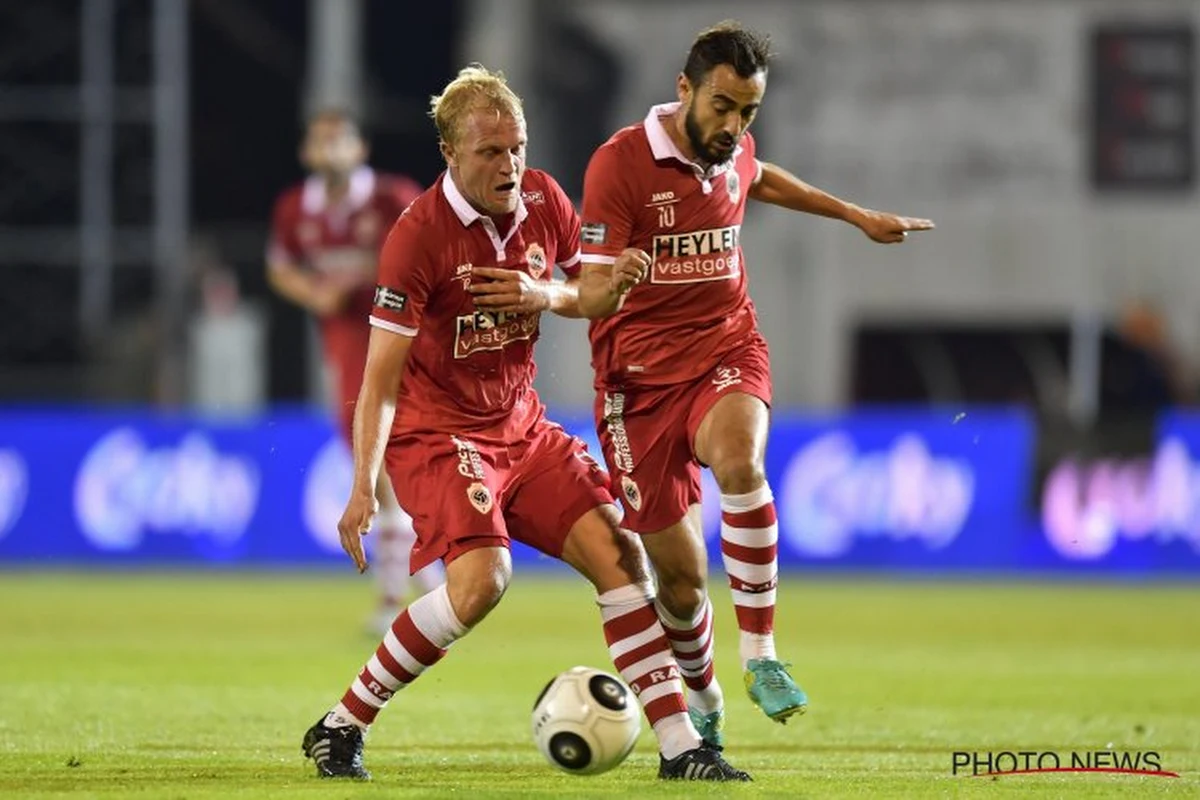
(603, 552)
(680, 563)
(682, 592)
(739, 474)
(475, 582)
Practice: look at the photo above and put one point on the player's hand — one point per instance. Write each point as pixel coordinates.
(355, 523)
(509, 290)
(327, 299)
(889, 228)
(630, 269)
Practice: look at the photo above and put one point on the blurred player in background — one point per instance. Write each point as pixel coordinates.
(448, 403)
(325, 241)
(682, 373)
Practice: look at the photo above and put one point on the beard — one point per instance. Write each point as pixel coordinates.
(704, 151)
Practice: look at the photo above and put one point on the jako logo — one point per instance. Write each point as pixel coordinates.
(831, 492)
(14, 488)
(1087, 508)
(330, 477)
(125, 490)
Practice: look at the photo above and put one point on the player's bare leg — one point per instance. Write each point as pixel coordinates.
(732, 440)
(415, 641)
(681, 567)
(394, 539)
(614, 562)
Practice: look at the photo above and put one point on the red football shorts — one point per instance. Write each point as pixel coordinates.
(344, 342)
(464, 494)
(647, 434)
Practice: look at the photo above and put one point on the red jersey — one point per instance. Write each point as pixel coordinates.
(340, 241)
(641, 191)
(469, 370)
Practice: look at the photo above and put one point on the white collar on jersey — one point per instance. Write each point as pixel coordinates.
(315, 199)
(466, 212)
(663, 147)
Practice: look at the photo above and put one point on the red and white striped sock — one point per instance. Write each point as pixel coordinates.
(749, 548)
(418, 640)
(692, 643)
(639, 648)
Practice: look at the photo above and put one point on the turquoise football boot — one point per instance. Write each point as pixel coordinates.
(773, 690)
(710, 727)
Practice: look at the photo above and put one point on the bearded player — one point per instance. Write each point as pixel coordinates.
(681, 371)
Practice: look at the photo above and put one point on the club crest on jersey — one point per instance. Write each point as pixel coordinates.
(533, 197)
(366, 228)
(733, 185)
(535, 256)
(633, 495)
(480, 497)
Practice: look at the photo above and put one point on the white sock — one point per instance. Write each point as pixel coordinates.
(676, 735)
(340, 717)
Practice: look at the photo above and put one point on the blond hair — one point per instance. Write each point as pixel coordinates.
(474, 88)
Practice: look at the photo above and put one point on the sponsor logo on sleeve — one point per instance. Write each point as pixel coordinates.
(593, 233)
(390, 299)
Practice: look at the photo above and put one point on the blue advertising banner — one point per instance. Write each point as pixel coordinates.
(1121, 514)
(134, 487)
(892, 489)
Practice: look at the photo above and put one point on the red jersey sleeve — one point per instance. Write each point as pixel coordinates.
(284, 245)
(405, 279)
(607, 210)
(567, 220)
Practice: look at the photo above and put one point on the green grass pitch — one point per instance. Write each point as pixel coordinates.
(136, 685)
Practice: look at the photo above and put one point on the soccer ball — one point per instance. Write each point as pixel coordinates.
(586, 721)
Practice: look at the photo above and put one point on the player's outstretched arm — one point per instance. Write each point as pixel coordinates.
(373, 416)
(604, 287)
(779, 187)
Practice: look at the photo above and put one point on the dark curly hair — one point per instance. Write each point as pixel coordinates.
(727, 43)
